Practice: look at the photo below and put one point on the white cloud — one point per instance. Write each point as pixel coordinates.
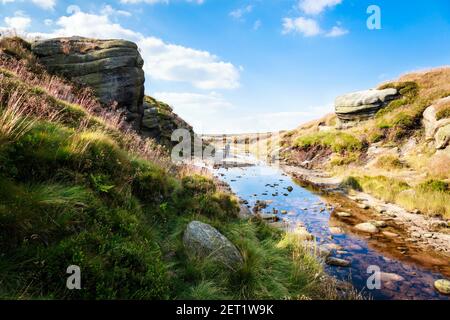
(239, 13)
(314, 7)
(44, 4)
(19, 22)
(337, 31)
(110, 11)
(48, 22)
(257, 25)
(307, 27)
(157, 1)
(163, 61)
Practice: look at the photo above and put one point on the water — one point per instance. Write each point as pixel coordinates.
(418, 269)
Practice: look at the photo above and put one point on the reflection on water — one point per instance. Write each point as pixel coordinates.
(262, 182)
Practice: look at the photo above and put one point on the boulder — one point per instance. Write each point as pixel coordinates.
(159, 121)
(436, 130)
(204, 241)
(443, 286)
(362, 105)
(112, 68)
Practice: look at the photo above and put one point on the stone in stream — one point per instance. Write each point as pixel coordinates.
(366, 227)
(283, 212)
(364, 206)
(202, 240)
(390, 277)
(268, 216)
(336, 230)
(333, 261)
(442, 286)
(290, 189)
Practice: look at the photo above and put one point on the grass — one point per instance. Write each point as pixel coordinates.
(389, 162)
(77, 187)
(431, 197)
(443, 110)
(336, 141)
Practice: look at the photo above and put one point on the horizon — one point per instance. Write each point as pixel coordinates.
(257, 66)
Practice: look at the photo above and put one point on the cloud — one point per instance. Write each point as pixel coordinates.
(110, 11)
(19, 22)
(163, 61)
(239, 13)
(307, 27)
(257, 25)
(44, 4)
(157, 1)
(337, 31)
(314, 7)
(202, 69)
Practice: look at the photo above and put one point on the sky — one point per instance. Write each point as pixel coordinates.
(229, 66)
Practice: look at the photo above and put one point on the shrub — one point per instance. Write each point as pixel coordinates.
(389, 162)
(434, 185)
(336, 141)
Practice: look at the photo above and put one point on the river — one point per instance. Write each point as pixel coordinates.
(407, 272)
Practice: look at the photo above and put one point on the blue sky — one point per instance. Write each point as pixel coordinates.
(252, 65)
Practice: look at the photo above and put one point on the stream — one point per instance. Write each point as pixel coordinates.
(408, 272)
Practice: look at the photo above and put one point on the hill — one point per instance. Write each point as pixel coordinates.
(392, 142)
(81, 186)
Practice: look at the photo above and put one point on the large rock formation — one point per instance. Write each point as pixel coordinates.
(160, 121)
(362, 105)
(113, 68)
(204, 241)
(437, 130)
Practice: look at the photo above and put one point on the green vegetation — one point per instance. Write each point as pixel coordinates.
(430, 197)
(389, 162)
(78, 189)
(336, 141)
(443, 111)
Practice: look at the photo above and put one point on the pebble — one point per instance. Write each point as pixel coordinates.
(390, 234)
(333, 261)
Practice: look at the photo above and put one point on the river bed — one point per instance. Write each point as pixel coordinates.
(408, 272)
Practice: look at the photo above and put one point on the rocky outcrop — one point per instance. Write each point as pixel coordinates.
(203, 241)
(159, 121)
(362, 105)
(437, 130)
(112, 68)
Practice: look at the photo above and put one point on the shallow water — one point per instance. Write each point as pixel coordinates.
(419, 269)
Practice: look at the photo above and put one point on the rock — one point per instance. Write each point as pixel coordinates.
(159, 122)
(443, 286)
(379, 224)
(442, 137)
(363, 206)
(112, 68)
(390, 234)
(390, 277)
(202, 240)
(366, 227)
(437, 130)
(336, 230)
(268, 216)
(343, 214)
(362, 105)
(428, 235)
(283, 212)
(333, 261)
